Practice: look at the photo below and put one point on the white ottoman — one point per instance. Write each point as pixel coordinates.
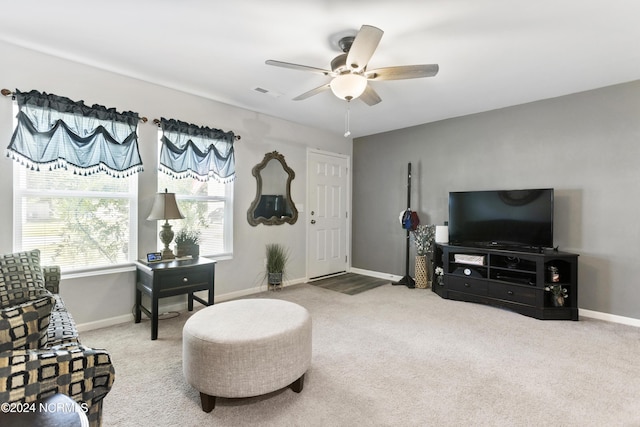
(246, 348)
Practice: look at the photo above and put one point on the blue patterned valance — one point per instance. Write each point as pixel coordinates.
(197, 152)
(61, 133)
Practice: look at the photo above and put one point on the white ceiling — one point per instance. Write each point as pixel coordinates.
(492, 53)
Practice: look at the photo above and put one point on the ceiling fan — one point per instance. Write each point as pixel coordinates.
(350, 77)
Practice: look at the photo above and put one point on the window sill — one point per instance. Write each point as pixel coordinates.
(220, 257)
(98, 271)
(123, 268)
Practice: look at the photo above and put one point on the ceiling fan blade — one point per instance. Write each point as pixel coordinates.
(403, 72)
(363, 46)
(370, 96)
(312, 92)
(299, 67)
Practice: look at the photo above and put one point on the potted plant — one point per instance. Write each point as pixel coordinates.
(558, 294)
(277, 257)
(423, 238)
(439, 275)
(187, 243)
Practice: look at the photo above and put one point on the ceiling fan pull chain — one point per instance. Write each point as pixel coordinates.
(347, 131)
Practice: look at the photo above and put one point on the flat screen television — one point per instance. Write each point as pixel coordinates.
(519, 219)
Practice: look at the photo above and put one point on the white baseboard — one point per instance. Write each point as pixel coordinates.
(103, 323)
(251, 291)
(125, 318)
(630, 321)
(376, 274)
(179, 307)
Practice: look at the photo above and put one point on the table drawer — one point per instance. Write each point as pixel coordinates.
(465, 284)
(186, 277)
(519, 294)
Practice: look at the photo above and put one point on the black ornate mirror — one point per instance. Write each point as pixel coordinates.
(273, 204)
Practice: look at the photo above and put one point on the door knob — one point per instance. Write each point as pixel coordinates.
(313, 221)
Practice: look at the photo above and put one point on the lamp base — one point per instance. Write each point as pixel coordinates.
(166, 236)
(167, 254)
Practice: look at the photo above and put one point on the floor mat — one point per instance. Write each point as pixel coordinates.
(350, 283)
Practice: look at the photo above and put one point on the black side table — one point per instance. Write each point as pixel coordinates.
(176, 277)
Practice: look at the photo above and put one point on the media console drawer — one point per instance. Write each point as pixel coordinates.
(519, 294)
(466, 284)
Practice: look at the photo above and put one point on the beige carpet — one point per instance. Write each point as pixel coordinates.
(394, 356)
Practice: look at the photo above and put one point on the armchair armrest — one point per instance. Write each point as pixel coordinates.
(51, 275)
(85, 374)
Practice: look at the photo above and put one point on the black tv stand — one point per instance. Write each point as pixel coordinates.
(513, 279)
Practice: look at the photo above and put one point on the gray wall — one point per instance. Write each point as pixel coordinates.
(101, 298)
(585, 145)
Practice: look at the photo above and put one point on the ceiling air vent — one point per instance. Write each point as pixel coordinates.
(271, 93)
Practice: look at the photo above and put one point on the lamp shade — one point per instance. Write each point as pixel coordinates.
(348, 86)
(165, 207)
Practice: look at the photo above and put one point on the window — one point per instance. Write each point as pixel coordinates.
(76, 223)
(207, 207)
(197, 163)
(76, 199)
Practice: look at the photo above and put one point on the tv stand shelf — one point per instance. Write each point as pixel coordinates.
(508, 278)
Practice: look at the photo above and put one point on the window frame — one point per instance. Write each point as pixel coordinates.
(227, 232)
(20, 192)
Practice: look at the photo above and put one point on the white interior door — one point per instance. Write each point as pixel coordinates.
(327, 213)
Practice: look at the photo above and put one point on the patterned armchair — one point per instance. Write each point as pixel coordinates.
(40, 354)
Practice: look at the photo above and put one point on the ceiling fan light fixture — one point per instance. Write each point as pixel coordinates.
(348, 86)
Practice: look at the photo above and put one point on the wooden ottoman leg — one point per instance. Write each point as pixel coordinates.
(298, 384)
(208, 402)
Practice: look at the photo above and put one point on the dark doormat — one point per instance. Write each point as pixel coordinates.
(349, 283)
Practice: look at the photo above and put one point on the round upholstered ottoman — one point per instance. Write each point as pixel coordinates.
(246, 348)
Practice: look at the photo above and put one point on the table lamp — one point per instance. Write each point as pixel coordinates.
(165, 208)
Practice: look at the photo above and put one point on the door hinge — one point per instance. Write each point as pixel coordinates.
(345, 259)
(346, 214)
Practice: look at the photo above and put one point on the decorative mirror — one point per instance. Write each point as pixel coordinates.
(273, 204)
